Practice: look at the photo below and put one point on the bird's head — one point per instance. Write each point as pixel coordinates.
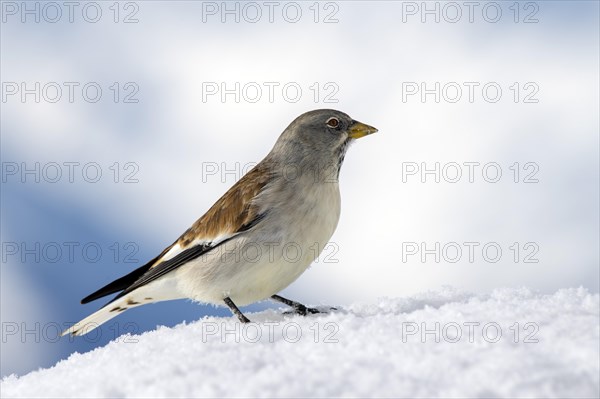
(321, 136)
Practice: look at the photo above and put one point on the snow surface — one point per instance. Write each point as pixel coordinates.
(375, 350)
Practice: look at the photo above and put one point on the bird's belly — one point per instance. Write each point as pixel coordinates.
(256, 266)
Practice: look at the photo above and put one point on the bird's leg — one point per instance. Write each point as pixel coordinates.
(298, 307)
(234, 309)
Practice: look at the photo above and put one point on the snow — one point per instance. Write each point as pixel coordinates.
(373, 350)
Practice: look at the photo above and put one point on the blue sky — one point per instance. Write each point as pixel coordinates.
(363, 61)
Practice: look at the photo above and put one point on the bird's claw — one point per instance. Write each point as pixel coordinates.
(303, 311)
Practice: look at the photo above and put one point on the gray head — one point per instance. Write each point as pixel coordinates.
(319, 137)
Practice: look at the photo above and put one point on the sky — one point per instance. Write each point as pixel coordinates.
(122, 123)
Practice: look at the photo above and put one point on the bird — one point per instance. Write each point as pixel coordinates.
(259, 237)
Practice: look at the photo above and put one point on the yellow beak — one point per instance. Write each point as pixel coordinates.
(358, 130)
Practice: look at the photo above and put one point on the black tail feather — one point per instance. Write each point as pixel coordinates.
(119, 284)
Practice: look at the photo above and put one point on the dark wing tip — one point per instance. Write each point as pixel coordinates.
(119, 284)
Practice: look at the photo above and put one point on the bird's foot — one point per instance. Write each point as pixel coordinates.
(303, 311)
(297, 307)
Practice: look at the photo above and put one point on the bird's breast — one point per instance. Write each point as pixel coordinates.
(309, 214)
(299, 222)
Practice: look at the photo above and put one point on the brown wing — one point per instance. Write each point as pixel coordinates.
(233, 213)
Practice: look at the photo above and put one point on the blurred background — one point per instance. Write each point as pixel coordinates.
(123, 122)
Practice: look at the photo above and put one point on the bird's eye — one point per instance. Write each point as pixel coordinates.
(333, 122)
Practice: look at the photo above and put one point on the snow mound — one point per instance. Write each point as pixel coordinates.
(510, 343)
